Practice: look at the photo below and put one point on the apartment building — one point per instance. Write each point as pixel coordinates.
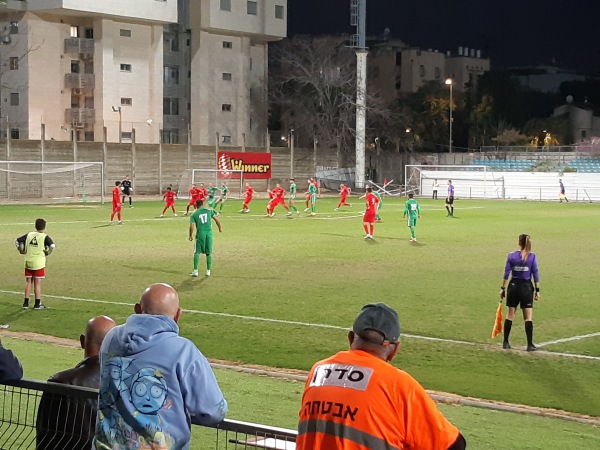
(80, 66)
(466, 67)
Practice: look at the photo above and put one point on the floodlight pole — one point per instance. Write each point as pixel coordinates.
(358, 18)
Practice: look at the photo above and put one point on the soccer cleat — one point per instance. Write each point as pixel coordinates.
(298, 212)
(162, 215)
(25, 305)
(336, 209)
(368, 236)
(289, 213)
(174, 215)
(120, 222)
(40, 306)
(506, 345)
(194, 273)
(531, 348)
(185, 213)
(130, 206)
(111, 223)
(306, 210)
(207, 273)
(313, 214)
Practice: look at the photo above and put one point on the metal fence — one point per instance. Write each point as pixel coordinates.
(49, 416)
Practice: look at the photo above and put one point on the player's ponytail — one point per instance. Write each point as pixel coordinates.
(525, 244)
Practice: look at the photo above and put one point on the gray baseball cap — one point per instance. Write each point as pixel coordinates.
(381, 318)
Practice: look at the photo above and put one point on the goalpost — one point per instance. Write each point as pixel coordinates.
(233, 178)
(472, 181)
(51, 181)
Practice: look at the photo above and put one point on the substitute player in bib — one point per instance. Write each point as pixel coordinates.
(344, 192)
(194, 197)
(223, 197)
(278, 199)
(292, 199)
(247, 198)
(370, 213)
(35, 245)
(450, 199)
(169, 198)
(202, 219)
(116, 204)
(522, 267)
(412, 209)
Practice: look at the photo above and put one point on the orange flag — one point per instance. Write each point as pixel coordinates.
(498, 323)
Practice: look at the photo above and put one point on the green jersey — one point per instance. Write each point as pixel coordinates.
(212, 191)
(378, 195)
(203, 219)
(312, 189)
(224, 191)
(293, 189)
(412, 208)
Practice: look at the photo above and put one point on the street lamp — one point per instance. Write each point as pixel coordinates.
(118, 109)
(450, 82)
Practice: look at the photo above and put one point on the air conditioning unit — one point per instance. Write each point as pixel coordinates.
(6, 39)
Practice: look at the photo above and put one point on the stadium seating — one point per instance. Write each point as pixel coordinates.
(585, 165)
(508, 165)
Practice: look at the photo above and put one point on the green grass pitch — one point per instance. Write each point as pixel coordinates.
(284, 291)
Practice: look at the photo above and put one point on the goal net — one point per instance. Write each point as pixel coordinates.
(469, 181)
(45, 181)
(234, 179)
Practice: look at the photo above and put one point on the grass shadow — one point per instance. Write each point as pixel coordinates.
(189, 284)
(153, 269)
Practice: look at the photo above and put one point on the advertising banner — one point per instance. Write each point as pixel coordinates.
(254, 165)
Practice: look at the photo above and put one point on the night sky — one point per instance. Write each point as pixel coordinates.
(510, 32)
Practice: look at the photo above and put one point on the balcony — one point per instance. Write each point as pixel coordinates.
(80, 116)
(79, 81)
(79, 46)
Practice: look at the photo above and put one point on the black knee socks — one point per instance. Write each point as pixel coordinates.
(529, 331)
(507, 327)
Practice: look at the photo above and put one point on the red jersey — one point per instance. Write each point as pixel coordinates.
(193, 193)
(344, 191)
(116, 195)
(202, 193)
(169, 196)
(249, 191)
(372, 202)
(278, 192)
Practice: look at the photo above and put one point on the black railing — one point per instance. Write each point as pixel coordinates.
(50, 416)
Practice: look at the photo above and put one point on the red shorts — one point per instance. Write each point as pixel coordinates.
(117, 207)
(192, 201)
(343, 198)
(277, 201)
(248, 199)
(369, 217)
(39, 273)
(169, 204)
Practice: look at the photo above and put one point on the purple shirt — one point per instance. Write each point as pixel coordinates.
(519, 270)
(451, 190)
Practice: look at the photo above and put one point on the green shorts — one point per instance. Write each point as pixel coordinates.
(292, 197)
(412, 221)
(204, 243)
(313, 198)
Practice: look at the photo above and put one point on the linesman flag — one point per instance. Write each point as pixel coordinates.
(498, 323)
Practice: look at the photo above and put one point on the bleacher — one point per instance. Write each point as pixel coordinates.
(505, 165)
(584, 165)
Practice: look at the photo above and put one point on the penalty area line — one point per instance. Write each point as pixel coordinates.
(293, 322)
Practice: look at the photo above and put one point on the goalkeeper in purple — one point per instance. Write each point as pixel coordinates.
(522, 267)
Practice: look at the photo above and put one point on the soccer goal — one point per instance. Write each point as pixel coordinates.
(233, 178)
(46, 182)
(469, 181)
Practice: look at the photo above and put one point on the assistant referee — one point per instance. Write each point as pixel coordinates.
(521, 266)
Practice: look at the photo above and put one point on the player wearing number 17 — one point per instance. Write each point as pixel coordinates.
(201, 218)
(413, 210)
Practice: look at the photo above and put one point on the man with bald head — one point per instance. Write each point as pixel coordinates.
(153, 382)
(64, 422)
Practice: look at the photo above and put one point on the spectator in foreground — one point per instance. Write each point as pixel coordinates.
(10, 367)
(356, 399)
(67, 422)
(152, 380)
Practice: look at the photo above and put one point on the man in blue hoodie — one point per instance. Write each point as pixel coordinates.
(154, 383)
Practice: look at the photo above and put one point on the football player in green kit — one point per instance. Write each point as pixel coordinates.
(202, 219)
(413, 211)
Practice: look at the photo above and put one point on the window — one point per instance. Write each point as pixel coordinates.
(438, 73)
(75, 66)
(88, 67)
(226, 139)
(422, 71)
(14, 133)
(89, 136)
(125, 33)
(14, 28)
(252, 7)
(279, 12)
(126, 135)
(225, 5)
(125, 67)
(89, 33)
(13, 63)
(14, 99)
(170, 106)
(171, 75)
(171, 42)
(170, 136)
(89, 102)
(227, 44)
(126, 101)
(226, 76)
(74, 31)
(225, 107)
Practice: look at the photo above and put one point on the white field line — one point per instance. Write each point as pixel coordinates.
(293, 322)
(569, 339)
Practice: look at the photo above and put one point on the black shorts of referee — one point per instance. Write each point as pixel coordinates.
(519, 293)
(449, 200)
